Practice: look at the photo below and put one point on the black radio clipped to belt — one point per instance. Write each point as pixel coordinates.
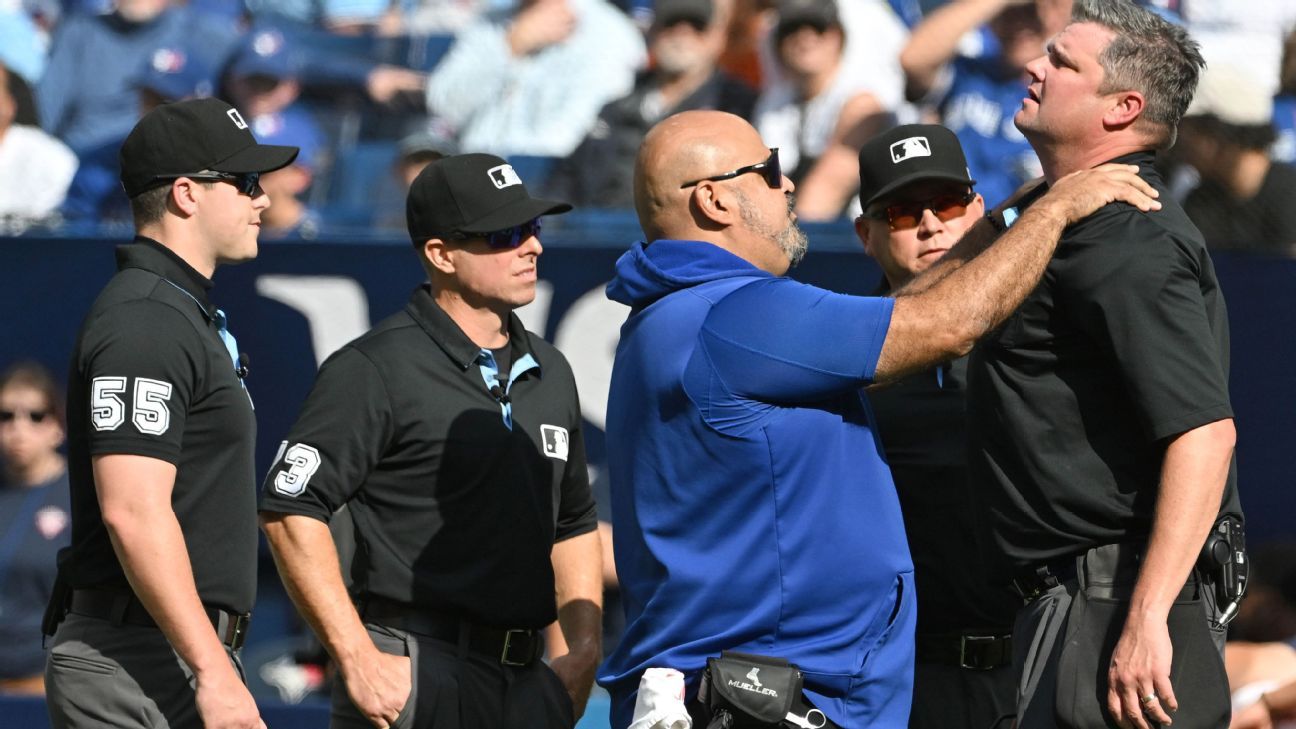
(1224, 563)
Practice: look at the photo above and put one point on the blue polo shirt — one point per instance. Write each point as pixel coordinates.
(751, 505)
(35, 523)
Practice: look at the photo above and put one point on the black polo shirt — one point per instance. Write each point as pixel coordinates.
(1123, 344)
(921, 420)
(454, 511)
(150, 376)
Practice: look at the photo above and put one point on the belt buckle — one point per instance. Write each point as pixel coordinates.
(505, 660)
(963, 650)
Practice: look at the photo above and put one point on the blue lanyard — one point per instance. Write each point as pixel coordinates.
(222, 326)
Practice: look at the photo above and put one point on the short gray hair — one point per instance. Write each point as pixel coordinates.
(1150, 55)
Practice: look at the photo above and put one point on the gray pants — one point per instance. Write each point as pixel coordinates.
(1063, 641)
(454, 688)
(104, 675)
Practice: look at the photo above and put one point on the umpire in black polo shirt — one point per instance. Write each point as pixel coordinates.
(1102, 433)
(455, 437)
(162, 566)
(918, 202)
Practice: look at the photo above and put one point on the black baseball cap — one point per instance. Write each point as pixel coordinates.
(793, 14)
(191, 136)
(906, 154)
(471, 194)
(669, 12)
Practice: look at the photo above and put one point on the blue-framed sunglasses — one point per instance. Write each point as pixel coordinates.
(769, 169)
(248, 183)
(508, 237)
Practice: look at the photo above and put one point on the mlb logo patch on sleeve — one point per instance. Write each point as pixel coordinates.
(555, 441)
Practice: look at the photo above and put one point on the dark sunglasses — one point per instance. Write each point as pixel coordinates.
(248, 183)
(769, 169)
(35, 416)
(506, 238)
(697, 24)
(905, 215)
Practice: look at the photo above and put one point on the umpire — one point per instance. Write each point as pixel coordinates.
(162, 566)
(918, 202)
(454, 435)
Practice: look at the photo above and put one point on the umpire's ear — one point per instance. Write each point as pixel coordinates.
(437, 257)
(862, 232)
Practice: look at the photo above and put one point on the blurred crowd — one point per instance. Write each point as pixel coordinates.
(371, 90)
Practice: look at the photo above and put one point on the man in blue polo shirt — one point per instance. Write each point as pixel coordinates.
(752, 506)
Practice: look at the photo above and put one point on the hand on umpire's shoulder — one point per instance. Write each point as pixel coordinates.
(1080, 194)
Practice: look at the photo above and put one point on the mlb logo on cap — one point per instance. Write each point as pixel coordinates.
(467, 195)
(503, 176)
(910, 148)
(928, 151)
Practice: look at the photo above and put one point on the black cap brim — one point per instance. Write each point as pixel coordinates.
(257, 158)
(517, 213)
(922, 176)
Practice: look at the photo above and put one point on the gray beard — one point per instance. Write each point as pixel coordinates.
(791, 240)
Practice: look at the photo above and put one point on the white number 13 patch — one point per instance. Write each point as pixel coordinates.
(149, 412)
(301, 462)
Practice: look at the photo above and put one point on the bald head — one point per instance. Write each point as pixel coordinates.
(682, 148)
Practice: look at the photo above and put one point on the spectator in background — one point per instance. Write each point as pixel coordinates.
(818, 101)
(414, 152)
(169, 74)
(263, 82)
(875, 36)
(1244, 201)
(1284, 116)
(684, 41)
(23, 44)
(1274, 708)
(288, 215)
(262, 76)
(1261, 653)
(86, 94)
(968, 59)
(1244, 35)
(35, 168)
(532, 81)
(34, 504)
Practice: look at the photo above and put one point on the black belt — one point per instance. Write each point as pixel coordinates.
(1031, 584)
(509, 646)
(1113, 568)
(121, 608)
(976, 652)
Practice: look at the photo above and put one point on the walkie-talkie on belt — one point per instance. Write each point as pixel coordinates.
(1225, 563)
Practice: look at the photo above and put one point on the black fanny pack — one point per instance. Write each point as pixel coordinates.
(745, 691)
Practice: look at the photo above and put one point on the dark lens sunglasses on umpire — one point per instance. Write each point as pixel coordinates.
(248, 183)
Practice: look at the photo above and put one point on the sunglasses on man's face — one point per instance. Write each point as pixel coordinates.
(905, 215)
(769, 169)
(35, 416)
(248, 183)
(513, 237)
